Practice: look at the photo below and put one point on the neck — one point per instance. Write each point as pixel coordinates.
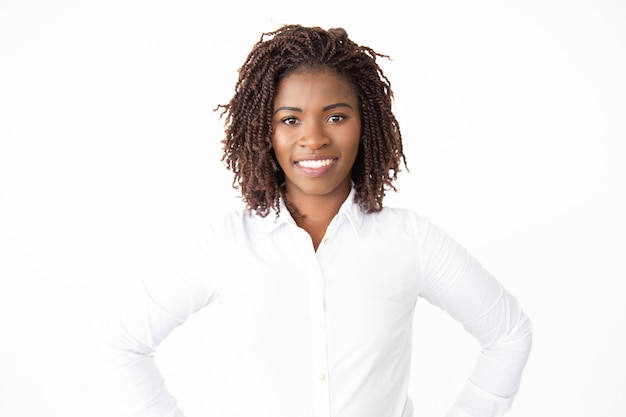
(314, 213)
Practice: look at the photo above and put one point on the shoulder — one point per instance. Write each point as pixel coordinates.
(242, 222)
(408, 225)
(400, 218)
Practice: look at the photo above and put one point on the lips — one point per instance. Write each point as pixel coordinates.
(315, 167)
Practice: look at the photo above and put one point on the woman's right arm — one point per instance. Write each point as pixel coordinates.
(132, 334)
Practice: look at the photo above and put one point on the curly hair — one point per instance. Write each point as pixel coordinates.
(247, 146)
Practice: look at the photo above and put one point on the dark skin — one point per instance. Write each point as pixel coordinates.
(317, 129)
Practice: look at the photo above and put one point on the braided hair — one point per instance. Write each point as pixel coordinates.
(247, 146)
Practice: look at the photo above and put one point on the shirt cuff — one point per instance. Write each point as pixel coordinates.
(476, 402)
(457, 412)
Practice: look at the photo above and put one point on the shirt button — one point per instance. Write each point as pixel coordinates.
(322, 377)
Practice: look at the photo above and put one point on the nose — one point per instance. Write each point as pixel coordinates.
(314, 137)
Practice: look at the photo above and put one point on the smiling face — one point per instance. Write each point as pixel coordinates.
(317, 128)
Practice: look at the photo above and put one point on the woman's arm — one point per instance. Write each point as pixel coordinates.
(148, 315)
(454, 281)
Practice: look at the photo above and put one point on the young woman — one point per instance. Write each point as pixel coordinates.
(318, 310)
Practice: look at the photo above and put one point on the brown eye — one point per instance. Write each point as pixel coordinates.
(289, 120)
(336, 118)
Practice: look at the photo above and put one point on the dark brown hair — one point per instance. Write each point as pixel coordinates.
(247, 117)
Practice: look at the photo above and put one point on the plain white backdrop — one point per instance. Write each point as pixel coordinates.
(514, 121)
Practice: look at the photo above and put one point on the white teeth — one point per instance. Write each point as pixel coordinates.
(315, 163)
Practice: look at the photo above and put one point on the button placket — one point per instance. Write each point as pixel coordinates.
(318, 337)
(318, 320)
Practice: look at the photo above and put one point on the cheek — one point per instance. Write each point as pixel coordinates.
(276, 143)
(356, 138)
(280, 153)
(281, 137)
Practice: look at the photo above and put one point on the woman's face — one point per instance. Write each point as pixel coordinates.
(317, 128)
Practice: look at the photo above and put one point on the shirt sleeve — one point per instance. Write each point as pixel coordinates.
(133, 332)
(454, 281)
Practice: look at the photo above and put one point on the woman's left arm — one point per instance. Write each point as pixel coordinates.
(454, 281)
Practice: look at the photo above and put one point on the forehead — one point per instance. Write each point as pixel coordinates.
(314, 83)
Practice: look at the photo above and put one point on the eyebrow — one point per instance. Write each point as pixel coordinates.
(326, 108)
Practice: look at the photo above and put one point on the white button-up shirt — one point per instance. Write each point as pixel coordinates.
(324, 333)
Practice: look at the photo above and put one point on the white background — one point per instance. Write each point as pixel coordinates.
(514, 121)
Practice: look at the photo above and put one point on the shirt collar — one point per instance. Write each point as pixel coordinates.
(349, 209)
(352, 211)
